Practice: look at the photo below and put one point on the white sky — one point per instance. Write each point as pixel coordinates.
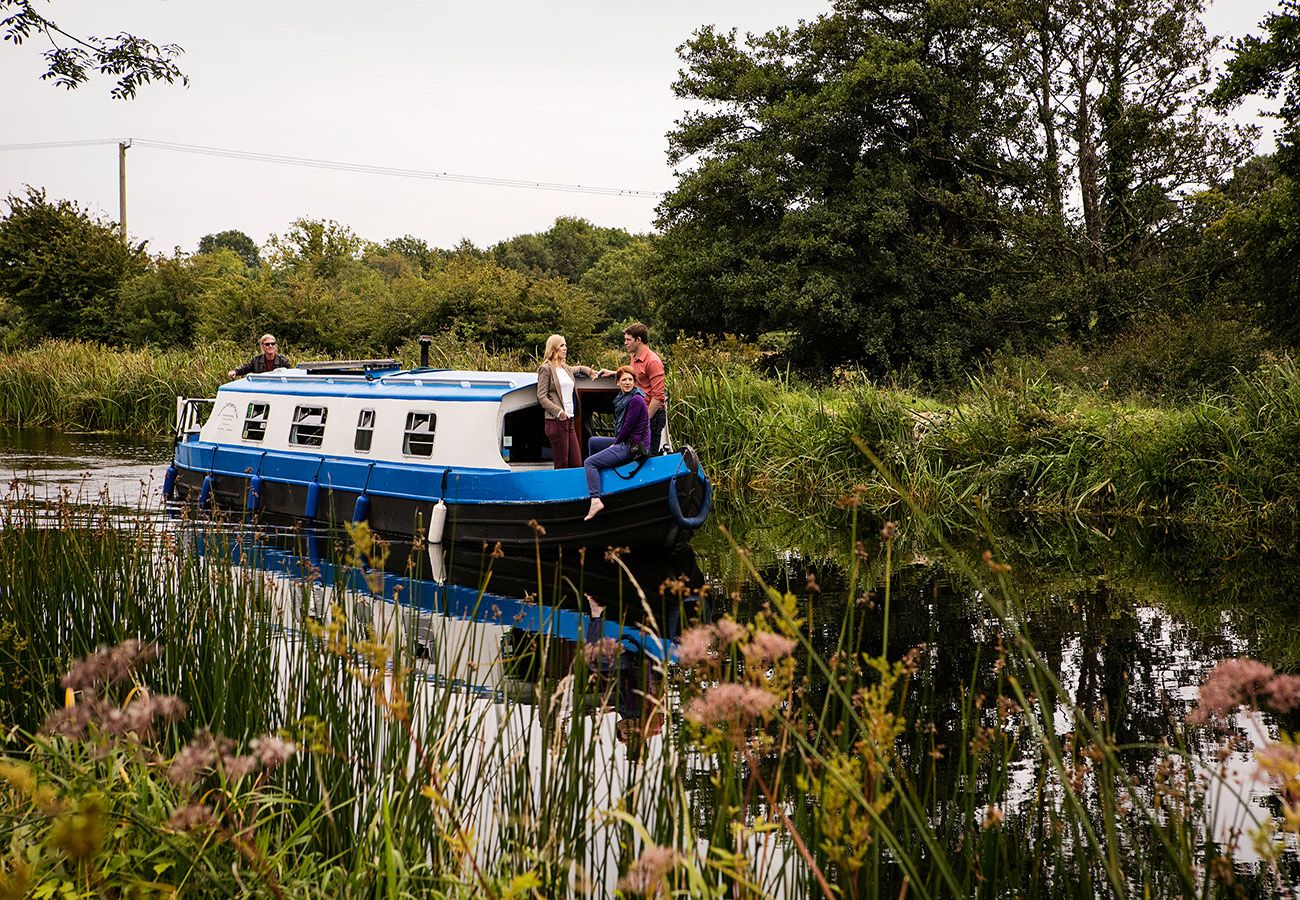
(563, 91)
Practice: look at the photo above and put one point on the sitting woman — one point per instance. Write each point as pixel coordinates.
(633, 418)
(555, 394)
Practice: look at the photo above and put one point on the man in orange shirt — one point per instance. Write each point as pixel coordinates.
(649, 369)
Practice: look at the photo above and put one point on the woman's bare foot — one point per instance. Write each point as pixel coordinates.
(596, 506)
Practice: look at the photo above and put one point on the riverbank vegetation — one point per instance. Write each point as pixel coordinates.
(261, 732)
(1029, 435)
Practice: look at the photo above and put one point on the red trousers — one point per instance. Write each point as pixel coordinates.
(564, 443)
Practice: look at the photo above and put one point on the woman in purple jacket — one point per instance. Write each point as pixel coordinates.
(633, 415)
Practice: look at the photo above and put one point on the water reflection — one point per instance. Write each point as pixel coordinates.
(126, 469)
(489, 623)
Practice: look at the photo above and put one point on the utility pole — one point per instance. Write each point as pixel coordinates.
(121, 186)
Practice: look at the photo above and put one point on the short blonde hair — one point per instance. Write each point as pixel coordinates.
(552, 347)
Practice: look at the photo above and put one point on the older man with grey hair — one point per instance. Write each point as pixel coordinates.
(265, 361)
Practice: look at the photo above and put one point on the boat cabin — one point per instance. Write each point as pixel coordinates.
(483, 420)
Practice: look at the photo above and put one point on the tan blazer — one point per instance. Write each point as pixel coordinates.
(548, 388)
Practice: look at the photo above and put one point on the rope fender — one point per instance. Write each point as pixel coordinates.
(675, 505)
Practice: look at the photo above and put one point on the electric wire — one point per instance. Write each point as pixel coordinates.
(361, 168)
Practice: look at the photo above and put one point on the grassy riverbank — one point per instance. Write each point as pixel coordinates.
(793, 761)
(1014, 438)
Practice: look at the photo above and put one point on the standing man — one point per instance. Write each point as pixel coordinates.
(267, 360)
(649, 370)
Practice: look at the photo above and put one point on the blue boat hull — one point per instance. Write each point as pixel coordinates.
(534, 507)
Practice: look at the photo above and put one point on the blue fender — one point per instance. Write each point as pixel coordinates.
(313, 500)
(169, 482)
(675, 505)
(254, 492)
(361, 512)
(205, 492)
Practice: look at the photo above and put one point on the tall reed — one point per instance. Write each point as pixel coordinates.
(778, 758)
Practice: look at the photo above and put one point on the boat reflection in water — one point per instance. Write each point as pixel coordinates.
(497, 625)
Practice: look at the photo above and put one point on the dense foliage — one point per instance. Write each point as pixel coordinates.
(909, 187)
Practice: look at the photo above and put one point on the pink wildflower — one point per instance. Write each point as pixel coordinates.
(69, 721)
(728, 630)
(1231, 683)
(646, 875)
(695, 646)
(236, 767)
(272, 751)
(767, 646)
(192, 818)
(1284, 693)
(602, 653)
(109, 665)
(729, 702)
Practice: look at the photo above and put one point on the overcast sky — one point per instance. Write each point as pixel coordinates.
(563, 91)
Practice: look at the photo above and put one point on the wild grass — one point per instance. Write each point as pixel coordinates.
(1013, 440)
(777, 759)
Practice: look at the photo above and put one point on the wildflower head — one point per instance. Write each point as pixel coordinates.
(601, 654)
(647, 874)
(271, 751)
(1230, 684)
(729, 703)
(109, 665)
(768, 647)
(695, 646)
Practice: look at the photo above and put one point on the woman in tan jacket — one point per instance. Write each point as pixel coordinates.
(555, 392)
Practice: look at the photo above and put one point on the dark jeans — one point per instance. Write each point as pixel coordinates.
(657, 422)
(565, 450)
(611, 456)
(598, 443)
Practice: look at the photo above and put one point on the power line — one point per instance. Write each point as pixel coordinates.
(362, 168)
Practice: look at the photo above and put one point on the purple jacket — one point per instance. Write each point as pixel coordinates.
(636, 420)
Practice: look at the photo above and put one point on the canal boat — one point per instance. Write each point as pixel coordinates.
(447, 455)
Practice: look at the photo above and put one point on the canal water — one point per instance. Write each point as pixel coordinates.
(1130, 615)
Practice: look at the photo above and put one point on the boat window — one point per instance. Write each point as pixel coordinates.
(365, 431)
(308, 428)
(255, 421)
(418, 440)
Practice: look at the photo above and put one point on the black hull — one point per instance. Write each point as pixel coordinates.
(637, 518)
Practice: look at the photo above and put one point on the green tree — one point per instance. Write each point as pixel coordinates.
(64, 269)
(1270, 66)
(164, 305)
(234, 240)
(848, 178)
(566, 250)
(619, 285)
(1262, 229)
(319, 247)
(1120, 89)
(72, 58)
(481, 302)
